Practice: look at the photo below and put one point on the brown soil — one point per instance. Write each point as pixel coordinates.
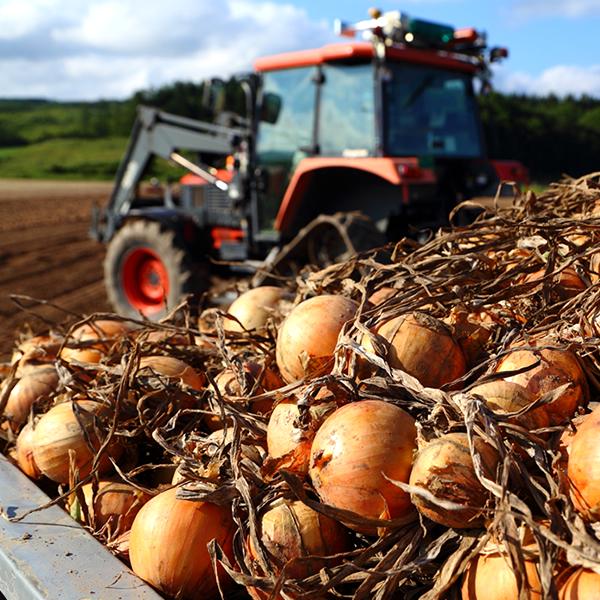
(46, 254)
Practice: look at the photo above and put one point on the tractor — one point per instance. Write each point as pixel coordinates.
(384, 124)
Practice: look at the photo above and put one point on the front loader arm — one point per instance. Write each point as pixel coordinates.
(157, 133)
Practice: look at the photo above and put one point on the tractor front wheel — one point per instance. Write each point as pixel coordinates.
(146, 272)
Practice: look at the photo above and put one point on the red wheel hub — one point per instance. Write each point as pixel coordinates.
(145, 280)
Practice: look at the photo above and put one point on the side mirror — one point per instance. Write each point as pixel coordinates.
(213, 95)
(270, 107)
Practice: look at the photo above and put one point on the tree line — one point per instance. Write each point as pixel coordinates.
(552, 136)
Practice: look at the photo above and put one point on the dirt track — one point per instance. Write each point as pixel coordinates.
(45, 253)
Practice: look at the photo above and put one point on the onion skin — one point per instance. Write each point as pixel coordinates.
(24, 453)
(556, 368)
(583, 467)
(35, 385)
(506, 397)
(59, 431)
(423, 347)
(308, 336)
(444, 467)
(491, 577)
(352, 451)
(167, 545)
(583, 584)
(291, 530)
(253, 308)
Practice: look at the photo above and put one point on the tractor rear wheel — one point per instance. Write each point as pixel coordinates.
(146, 271)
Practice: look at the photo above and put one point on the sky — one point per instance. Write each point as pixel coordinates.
(108, 49)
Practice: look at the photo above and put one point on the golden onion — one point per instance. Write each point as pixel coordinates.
(167, 544)
(60, 433)
(557, 367)
(354, 453)
(444, 468)
(308, 336)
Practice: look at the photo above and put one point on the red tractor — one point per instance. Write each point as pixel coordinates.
(387, 126)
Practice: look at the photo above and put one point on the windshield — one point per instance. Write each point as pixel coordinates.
(429, 112)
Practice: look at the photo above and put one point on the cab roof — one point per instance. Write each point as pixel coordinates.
(348, 51)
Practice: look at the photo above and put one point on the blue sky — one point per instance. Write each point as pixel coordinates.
(90, 49)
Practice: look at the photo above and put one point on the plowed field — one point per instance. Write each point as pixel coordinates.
(45, 253)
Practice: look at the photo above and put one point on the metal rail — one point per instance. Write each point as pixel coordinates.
(48, 556)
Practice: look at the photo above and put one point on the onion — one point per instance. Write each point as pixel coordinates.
(290, 530)
(444, 468)
(24, 452)
(285, 434)
(556, 368)
(507, 397)
(167, 545)
(256, 378)
(114, 506)
(35, 350)
(105, 331)
(353, 452)
(423, 347)
(173, 368)
(583, 584)
(492, 577)
(308, 336)
(36, 385)
(253, 308)
(381, 295)
(472, 331)
(564, 285)
(583, 467)
(58, 433)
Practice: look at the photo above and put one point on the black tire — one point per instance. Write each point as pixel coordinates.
(147, 271)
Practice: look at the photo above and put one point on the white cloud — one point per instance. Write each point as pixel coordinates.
(533, 9)
(561, 80)
(68, 49)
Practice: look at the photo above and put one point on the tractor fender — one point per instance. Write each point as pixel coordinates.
(400, 172)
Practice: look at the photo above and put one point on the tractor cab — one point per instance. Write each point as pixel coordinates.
(387, 125)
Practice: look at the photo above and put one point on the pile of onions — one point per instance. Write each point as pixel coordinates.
(491, 576)
(583, 467)
(291, 530)
(354, 453)
(168, 544)
(444, 468)
(582, 584)
(308, 336)
(423, 347)
(557, 367)
(253, 308)
(24, 452)
(60, 433)
(35, 385)
(99, 336)
(113, 507)
(508, 397)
